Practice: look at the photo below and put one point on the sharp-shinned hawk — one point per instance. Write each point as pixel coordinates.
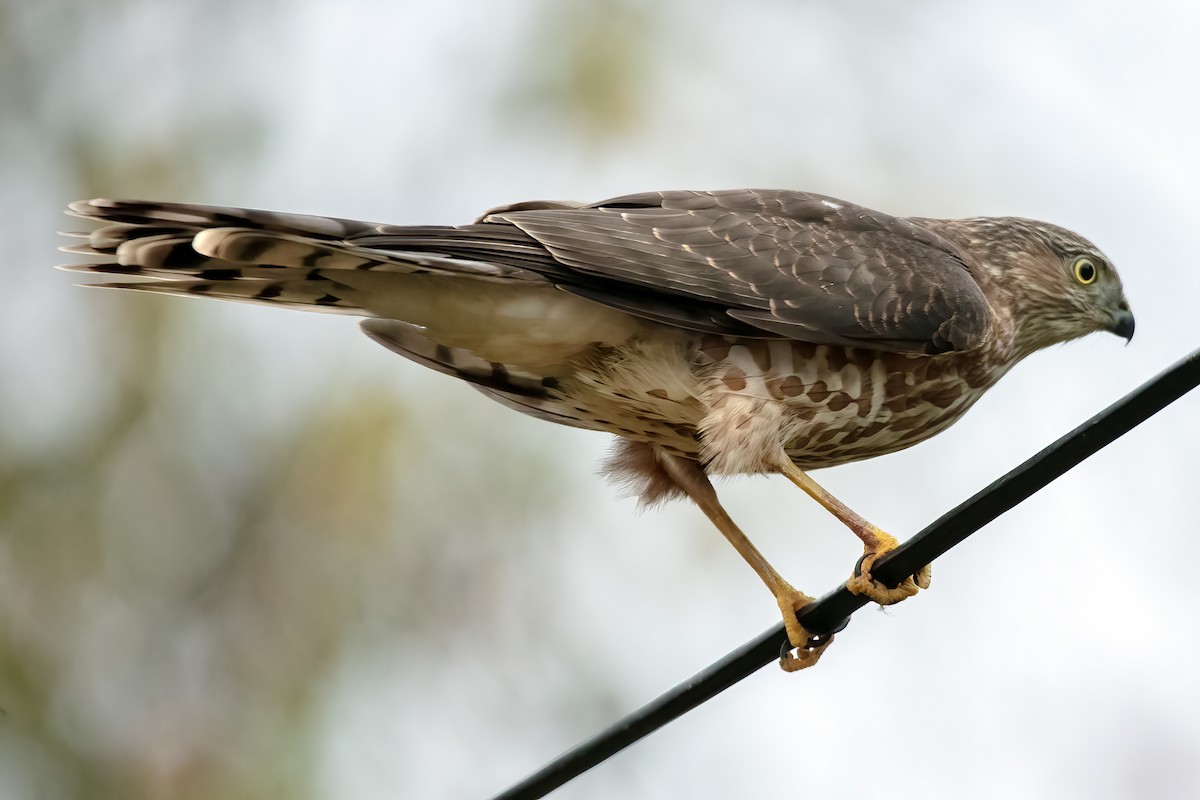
(722, 332)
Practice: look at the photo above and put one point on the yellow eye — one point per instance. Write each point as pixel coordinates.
(1085, 271)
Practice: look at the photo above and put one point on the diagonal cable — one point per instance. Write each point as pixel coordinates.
(832, 612)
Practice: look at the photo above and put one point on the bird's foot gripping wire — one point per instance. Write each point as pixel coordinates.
(802, 648)
(862, 583)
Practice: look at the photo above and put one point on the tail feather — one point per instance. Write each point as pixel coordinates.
(309, 294)
(478, 302)
(411, 342)
(544, 408)
(208, 250)
(519, 389)
(140, 214)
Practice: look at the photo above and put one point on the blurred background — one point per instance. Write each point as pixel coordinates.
(246, 553)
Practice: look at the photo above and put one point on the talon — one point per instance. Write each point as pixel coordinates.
(794, 659)
(861, 583)
(802, 649)
(924, 576)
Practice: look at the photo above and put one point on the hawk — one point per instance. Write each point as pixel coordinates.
(714, 332)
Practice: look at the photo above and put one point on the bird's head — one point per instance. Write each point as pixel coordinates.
(1058, 285)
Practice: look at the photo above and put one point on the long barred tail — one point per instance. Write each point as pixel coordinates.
(339, 265)
(269, 257)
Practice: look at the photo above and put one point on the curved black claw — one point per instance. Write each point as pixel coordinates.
(815, 641)
(916, 576)
(806, 656)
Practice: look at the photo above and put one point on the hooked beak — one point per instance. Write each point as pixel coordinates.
(1122, 324)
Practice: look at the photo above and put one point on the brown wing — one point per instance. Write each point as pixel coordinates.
(771, 264)
(787, 264)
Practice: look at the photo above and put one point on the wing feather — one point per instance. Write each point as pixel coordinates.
(787, 264)
(743, 262)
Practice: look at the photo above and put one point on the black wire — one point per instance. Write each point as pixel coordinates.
(831, 612)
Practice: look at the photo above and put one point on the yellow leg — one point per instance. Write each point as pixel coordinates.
(690, 477)
(876, 543)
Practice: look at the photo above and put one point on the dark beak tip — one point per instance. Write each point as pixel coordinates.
(1123, 326)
